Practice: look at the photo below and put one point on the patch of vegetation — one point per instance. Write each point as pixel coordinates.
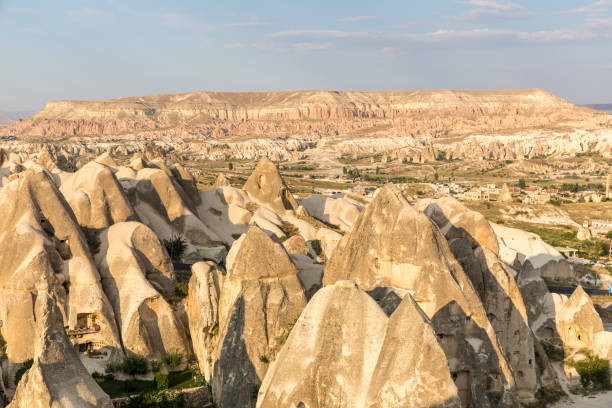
(251, 206)
(264, 359)
(161, 381)
(175, 247)
(135, 364)
(318, 224)
(594, 372)
(177, 380)
(181, 290)
(155, 366)
(173, 359)
(22, 370)
(288, 229)
(316, 246)
(157, 400)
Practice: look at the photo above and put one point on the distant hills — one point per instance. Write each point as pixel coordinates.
(604, 107)
(8, 117)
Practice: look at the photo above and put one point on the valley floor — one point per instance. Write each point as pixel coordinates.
(603, 400)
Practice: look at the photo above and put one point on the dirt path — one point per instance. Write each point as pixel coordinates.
(603, 400)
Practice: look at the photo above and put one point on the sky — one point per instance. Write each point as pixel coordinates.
(52, 50)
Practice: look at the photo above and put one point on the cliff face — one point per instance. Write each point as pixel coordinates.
(300, 113)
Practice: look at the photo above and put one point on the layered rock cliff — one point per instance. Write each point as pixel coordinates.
(302, 113)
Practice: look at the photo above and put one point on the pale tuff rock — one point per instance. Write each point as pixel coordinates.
(57, 378)
(203, 313)
(256, 302)
(107, 160)
(223, 210)
(41, 241)
(393, 245)
(456, 221)
(367, 361)
(221, 181)
(135, 268)
(296, 245)
(517, 246)
(162, 204)
(579, 326)
(96, 197)
(474, 245)
(323, 363)
(336, 211)
(266, 186)
(329, 240)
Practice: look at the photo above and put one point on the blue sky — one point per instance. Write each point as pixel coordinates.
(111, 48)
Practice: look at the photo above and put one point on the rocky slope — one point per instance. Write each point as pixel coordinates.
(307, 113)
(426, 306)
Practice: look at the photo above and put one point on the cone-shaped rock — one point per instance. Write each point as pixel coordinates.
(344, 351)
(266, 186)
(136, 269)
(412, 370)
(41, 240)
(261, 297)
(96, 197)
(394, 245)
(330, 354)
(57, 377)
(221, 181)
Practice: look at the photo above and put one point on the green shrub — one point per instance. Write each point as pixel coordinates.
(135, 364)
(181, 290)
(155, 399)
(594, 371)
(161, 381)
(289, 229)
(22, 370)
(155, 366)
(173, 358)
(175, 247)
(264, 359)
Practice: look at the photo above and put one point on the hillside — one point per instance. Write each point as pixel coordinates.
(301, 113)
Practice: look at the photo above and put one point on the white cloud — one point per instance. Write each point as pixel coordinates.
(485, 11)
(598, 23)
(184, 21)
(600, 6)
(355, 19)
(87, 12)
(309, 46)
(435, 39)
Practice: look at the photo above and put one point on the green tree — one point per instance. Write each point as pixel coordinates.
(230, 166)
(521, 183)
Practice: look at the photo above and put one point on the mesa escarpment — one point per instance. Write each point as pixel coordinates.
(306, 114)
(398, 304)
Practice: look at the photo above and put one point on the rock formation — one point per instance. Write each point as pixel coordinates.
(474, 244)
(41, 240)
(95, 196)
(392, 245)
(136, 271)
(266, 186)
(247, 315)
(370, 360)
(57, 377)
